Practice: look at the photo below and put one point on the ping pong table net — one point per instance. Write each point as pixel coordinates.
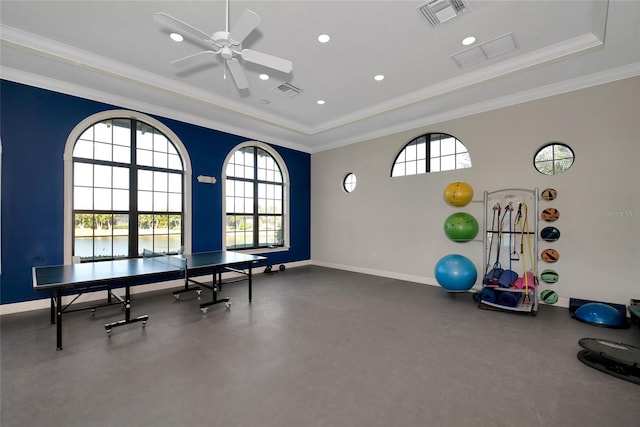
(176, 261)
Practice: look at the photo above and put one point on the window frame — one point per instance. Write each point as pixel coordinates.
(349, 182)
(553, 159)
(428, 139)
(285, 198)
(75, 134)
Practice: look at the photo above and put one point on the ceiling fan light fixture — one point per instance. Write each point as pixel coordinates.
(228, 45)
(226, 52)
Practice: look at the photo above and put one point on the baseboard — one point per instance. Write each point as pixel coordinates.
(40, 304)
(431, 281)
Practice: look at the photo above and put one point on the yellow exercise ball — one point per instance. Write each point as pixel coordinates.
(458, 194)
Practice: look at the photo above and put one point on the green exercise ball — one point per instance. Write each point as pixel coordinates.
(461, 227)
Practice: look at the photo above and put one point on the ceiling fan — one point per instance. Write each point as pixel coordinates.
(228, 44)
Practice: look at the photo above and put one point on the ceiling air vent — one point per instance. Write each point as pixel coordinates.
(487, 50)
(439, 11)
(287, 90)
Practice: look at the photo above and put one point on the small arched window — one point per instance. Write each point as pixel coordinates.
(433, 152)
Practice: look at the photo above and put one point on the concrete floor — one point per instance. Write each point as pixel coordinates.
(317, 347)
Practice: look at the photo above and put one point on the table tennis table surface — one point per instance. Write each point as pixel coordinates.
(143, 269)
(153, 267)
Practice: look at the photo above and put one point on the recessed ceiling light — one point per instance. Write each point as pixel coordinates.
(320, 101)
(379, 78)
(264, 76)
(176, 37)
(324, 38)
(468, 40)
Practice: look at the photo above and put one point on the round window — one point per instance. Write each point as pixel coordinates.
(553, 158)
(349, 182)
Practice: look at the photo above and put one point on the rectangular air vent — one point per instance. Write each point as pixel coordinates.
(439, 11)
(287, 90)
(484, 51)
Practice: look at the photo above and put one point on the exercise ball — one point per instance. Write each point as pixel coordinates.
(458, 194)
(456, 273)
(461, 227)
(549, 296)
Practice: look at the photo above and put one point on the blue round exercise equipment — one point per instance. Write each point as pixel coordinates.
(550, 234)
(456, 273)
(600, 314)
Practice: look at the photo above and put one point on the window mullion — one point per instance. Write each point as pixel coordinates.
(133, 194)
(256, 220)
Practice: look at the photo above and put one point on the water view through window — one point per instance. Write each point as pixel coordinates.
(127, 191)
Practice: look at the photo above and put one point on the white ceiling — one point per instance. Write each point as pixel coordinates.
(113, 51)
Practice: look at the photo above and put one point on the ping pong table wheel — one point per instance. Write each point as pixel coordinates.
(108, 332)
(204, 310)
(227, 304)
(144, 323)
(282, 267)
(267, 269)
(176, 296)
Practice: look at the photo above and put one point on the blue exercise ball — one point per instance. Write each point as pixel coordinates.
(456, 273)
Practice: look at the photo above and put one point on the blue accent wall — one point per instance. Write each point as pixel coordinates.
(34, 127)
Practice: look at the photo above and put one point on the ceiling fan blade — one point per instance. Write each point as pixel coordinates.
(181, 62)
(247, 22)
(182, 27)
(238, 74)
(267, 60)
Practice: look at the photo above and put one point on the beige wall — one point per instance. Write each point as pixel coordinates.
(394, 227)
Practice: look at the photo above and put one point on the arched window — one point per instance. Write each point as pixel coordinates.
(433, 152)
(127, 183)
(255, 198)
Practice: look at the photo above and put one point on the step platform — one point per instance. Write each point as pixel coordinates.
(613, 358)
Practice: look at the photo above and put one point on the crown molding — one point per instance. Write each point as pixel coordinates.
(556, 52)
(66, 54)
(571, 85)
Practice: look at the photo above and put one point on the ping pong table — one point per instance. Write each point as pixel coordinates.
(75, 279)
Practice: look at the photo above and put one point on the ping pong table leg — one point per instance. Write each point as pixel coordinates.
(127, 314)
(216, 285)
(250, 276)
(53, 308)
(176, 294)
(58, 319)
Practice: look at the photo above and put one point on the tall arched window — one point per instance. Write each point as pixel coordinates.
(127, 182)
(255, 198)
(433, 152)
